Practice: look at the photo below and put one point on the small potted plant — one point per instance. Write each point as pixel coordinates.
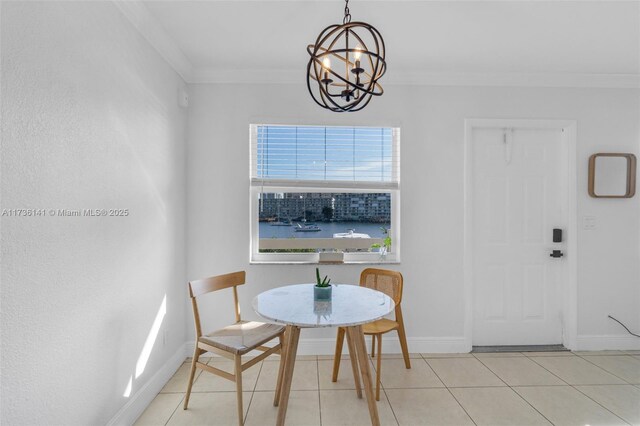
(386, 242)
(322, 289)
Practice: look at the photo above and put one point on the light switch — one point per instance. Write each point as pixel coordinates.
(589, 222)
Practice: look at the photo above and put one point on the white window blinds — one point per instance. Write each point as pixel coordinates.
(314, 156)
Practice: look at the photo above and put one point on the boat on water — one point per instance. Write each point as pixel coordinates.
(307, 228)
(281, 223)
(350, 234)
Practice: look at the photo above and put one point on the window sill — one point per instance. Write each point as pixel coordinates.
(308, 262)
(313, 259)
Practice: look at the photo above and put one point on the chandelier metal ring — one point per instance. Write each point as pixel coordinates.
(350, 85)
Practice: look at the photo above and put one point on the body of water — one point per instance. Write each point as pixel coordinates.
(327, 230)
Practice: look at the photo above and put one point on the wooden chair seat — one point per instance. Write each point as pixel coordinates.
(233, 341)
(391, 284)
(381, 326)
(243, 336)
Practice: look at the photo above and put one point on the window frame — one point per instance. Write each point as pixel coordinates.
(257, 186)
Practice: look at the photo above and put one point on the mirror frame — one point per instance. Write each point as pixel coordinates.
(631, 174)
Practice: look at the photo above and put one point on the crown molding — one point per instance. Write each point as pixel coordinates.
(576, 80)
(523, 79)
(140, 17)
(247, 76)
(397, 1)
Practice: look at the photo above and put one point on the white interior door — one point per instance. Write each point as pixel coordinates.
(519, 197)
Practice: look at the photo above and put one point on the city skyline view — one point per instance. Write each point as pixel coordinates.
(325, 206)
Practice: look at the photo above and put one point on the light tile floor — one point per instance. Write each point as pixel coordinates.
(515, 389)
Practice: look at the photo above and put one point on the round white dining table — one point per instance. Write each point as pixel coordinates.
(350, 306)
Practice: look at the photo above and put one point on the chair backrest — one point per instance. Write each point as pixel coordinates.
(208, 285)
(384, 280)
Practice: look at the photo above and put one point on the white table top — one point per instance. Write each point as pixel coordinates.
(349, 305)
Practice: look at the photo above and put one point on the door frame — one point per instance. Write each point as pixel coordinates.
(569, 291)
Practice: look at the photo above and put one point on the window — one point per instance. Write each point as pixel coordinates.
(325, 194)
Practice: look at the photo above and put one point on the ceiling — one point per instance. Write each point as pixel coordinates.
(427, 41)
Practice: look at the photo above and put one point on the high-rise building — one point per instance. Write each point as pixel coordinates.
(372, 207)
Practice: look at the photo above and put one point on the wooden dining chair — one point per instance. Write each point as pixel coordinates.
(390, 283)
(233, 341)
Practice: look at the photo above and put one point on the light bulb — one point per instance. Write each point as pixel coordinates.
(358, 52)
(326, 63)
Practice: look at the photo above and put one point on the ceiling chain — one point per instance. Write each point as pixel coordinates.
(347, 15)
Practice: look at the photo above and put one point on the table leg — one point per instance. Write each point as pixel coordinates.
(353, 356)
(283, 354)
(338, 354)
(363, 360)
(290, 359)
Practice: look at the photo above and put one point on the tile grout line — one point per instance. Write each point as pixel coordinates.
(585, 357)
(384, 390)
(389, 401)
(588, 384)
(578, 390)
(253, 391)
(494, 387)
(530, 404)
(174, 410)
(181, 399)
(490, 370)
(517, 393)
(434, 372)
(449, 390)
(604, 369)
(541, 366)
(550, 372)
(505, 383)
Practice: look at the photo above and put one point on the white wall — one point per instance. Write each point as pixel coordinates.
(89, 120)
(432, 122)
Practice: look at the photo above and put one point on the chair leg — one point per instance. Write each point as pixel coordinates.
(403, 344)
(238, 374)
(192, 374)
(338, 354)
(283, 351)
(373, 346)
(379, 367)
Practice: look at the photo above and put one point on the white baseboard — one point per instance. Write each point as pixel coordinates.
(607, 342)
(139, 401)
(390, 344)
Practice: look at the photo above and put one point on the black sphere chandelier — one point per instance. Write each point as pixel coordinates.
(349, 83)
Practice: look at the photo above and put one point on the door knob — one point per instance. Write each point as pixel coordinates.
(556, 253)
